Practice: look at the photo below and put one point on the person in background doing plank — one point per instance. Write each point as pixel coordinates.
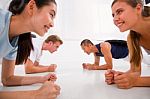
(108, 49)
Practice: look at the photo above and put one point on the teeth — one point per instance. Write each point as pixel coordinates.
(119, 24)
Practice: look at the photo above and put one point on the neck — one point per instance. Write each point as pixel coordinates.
(143, 26)
(94, 49)
(44, 46)
(18, 25)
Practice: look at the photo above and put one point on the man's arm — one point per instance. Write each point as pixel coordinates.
(97, 60)
(96, 65)
(31, 67)
(106, 51)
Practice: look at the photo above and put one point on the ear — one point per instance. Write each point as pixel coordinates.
(139, 8)
(31, 7)
(90, 45)
(50, 43)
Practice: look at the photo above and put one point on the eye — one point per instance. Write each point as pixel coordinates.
(118, 12)
(52, 16)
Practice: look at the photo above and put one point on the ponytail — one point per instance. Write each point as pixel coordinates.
(24, 48)
(135, 50)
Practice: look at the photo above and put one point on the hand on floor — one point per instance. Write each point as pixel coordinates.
(52, 67)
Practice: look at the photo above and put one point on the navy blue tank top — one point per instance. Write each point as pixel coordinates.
(118, 50)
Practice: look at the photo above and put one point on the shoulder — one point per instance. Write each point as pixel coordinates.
(104, 44)
(37, 41)
(4, 18)
(4, 13)
(98, 45)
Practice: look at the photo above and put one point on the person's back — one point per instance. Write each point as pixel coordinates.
(119, 49)
(36, 53)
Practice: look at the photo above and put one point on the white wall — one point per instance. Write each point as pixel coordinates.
(79, 19)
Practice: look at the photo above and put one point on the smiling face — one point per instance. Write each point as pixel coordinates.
(43, 19)
(125, 17)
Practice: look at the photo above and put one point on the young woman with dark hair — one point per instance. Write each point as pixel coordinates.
(23, 17)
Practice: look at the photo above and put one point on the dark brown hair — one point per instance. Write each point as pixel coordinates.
(86, 42)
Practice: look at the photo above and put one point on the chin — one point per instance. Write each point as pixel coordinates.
(122, 30)
(41, 33)
(50, 52)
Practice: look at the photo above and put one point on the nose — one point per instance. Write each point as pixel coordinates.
(115, 19)
(51, 24)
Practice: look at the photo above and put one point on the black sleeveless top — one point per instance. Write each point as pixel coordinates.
(119, 49)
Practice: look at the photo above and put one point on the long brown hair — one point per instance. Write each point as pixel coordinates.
(134, 48)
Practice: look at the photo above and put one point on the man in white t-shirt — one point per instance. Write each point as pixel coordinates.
(51, 44)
